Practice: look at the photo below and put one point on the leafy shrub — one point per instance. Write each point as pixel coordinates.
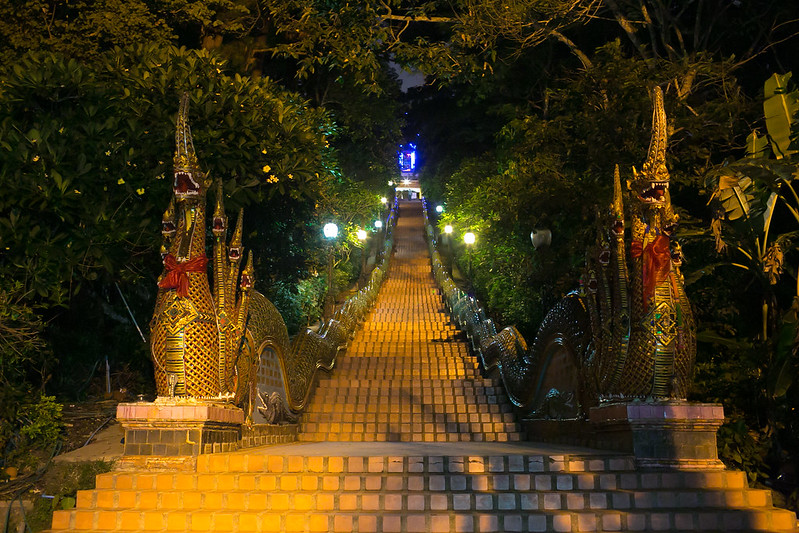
(744, 448)
(59, 487)
(30, 429)
(30, 422)
(300, 304)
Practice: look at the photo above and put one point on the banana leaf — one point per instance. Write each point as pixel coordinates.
(714, 337)
(756, 145)
(745, 187)
(735, 196)
(780, 108)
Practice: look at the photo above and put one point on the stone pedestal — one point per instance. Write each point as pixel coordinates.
(661, 435)
(175, 427)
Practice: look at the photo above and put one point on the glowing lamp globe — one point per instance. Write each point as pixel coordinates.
(330, 230)
(468, 237)
(439, 209)
(378, 224)
(447, 229)
(361, 235)
(383, 200)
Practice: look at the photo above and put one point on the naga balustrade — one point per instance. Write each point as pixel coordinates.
(611, 363)
(627, 334)
(221, 350)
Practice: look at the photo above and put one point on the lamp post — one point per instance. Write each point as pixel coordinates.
(364, 249)
(468, 239)
(445, 239)
(383, 207)
(379, 244)
(330, 231)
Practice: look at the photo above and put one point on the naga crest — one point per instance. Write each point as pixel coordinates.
(651, 184)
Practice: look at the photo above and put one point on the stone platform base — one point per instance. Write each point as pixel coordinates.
(661, 435)
(173, 427)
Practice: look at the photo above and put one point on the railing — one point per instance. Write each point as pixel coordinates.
(313, 350)
(505, 351)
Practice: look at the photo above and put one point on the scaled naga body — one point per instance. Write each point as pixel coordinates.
(629, 331)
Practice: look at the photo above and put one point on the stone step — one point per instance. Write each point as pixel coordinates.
(447, 351)
(271, 492)
(454, 389)
(482, 385)
(425, 403)
(413, 381)
(386, 412)
(416, 478)
(425, 386)
(381, 329)
(379, 362)
(415, 427)
(381, 520)
(381, 415)
(386, 375)
(411, 437)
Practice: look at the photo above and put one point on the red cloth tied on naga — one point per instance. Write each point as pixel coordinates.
(177, 274)
(656, 263)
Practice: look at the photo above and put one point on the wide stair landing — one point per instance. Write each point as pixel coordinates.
(410, 438)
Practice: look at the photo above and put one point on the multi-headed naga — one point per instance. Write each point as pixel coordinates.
(628, 332)
(206, 344)
(641, 322)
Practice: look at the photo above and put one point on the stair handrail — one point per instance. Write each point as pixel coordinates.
(311, 350)
(503, 350)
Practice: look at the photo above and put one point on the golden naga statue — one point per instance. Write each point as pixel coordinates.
(627, 333)
(643, 329)
(207, 344)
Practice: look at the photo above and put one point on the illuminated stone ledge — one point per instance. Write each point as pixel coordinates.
(180, 427)
(262, 434)
(661, 435)
(160, 410)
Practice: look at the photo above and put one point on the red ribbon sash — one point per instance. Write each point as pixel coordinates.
(656, 263)
(177, 274)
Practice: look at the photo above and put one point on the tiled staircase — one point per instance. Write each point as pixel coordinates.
(405, 436)
(433, 493)
(408, 375)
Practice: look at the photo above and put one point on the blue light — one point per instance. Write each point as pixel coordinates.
(406, 157)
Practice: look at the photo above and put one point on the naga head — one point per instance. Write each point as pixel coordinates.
(181, 226)
(190, 183)
(651, 184)
(219, 220)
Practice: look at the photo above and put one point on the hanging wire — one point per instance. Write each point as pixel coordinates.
(144, 340)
